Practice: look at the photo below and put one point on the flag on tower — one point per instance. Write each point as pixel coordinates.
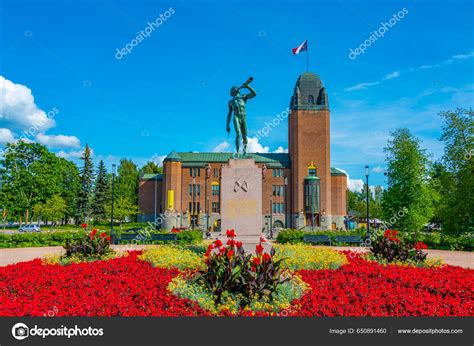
(301, 48)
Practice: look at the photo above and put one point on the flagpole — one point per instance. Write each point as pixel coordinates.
(307, 59)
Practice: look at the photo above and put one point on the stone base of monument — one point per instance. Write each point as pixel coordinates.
(241, 202)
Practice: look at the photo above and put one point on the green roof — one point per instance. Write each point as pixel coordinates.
(272, 160)
(173, 156)
(337, 171)
(151, 176)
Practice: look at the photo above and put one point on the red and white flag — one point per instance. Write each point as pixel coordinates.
(301, 48)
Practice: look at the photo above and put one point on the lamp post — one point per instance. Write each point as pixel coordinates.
(154, 218)
(367, 196)
(113, 193)
(271, 217)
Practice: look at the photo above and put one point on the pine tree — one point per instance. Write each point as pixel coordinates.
(101, 195)
(85, 192)
(127, 181)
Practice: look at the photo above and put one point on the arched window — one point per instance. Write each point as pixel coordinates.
(311, 99)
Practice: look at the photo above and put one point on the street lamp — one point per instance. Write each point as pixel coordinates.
(113, 192)
(154, 217)
(367, 196)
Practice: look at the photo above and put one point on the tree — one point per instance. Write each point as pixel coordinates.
(101, 195)
(54, 209)
(30, 175)
(123, 209)
(408, 188)
(70, 186)
(150, 168)
(85, 192)
(127, 181)
(455, 178)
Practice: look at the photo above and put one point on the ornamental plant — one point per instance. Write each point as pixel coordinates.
(229, 270)
(93, 244)
(390, 247)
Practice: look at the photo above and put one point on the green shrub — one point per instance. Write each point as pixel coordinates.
(56, 238)
(291, 236)
(294, 236)
(190, 237)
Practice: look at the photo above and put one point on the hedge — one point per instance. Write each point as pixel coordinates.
(434, 240)
(294, 236)
(38, 239)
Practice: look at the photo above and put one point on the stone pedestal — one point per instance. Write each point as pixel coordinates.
(241, 201)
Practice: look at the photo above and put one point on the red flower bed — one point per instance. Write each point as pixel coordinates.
(129, 287)
(364, 288)
(119, 287)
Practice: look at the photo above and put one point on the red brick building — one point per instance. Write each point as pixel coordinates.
(300, 188)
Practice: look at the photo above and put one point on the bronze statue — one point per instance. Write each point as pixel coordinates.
(237, 105)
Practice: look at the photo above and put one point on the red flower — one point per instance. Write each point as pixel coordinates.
(238, 243)
(263, 240)
(230, 233)
(259, 249)
(175, 230)
(256, 261)
(84, 225)
(231, 242)
(420, 245)
(266, 257)
(93, 233)
(222, 250)
(230, 253)
(103, 235)
(217, 243)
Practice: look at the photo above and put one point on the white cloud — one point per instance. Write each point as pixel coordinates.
(253, 146)
(392, 75)
(70, 154)
(59, 141)
(361, 86)
(6, 136)
(281, 150)
(18, 109)
(158, 159)
(355, 185)
(221, 147)
(378, 169)
(463, 56)
(73, 154)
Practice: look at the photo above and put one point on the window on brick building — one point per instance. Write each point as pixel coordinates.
(216, 189)
(277, 172)
(216, 172)
(215, 207)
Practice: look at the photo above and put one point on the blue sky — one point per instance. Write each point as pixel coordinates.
(171, 90)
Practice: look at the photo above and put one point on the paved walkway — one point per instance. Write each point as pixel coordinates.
(9, 256)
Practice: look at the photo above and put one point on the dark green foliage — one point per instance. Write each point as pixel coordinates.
(407, 182)
(293, 236)
(390, 247)
(236, 272)
(38, 239)
(86, 184)
(190, 237)
(92, 244)
(126, 185)
(150, 168)
(101, 193)
(455, 178)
